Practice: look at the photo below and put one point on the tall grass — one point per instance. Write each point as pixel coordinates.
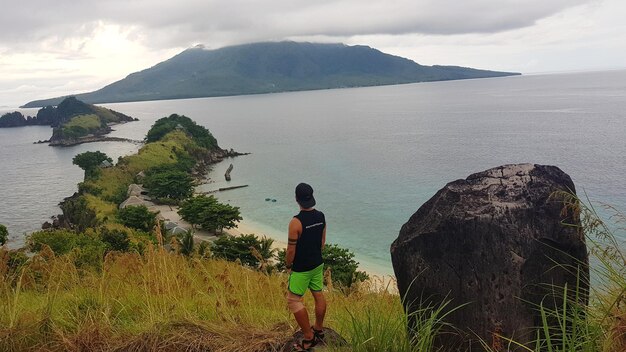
(165, 301)
(50, 304)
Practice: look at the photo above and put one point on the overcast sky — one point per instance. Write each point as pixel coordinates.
(52, 48)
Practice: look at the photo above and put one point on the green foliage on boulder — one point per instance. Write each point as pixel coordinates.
(165, 125)
(4, 234)
(137, 217)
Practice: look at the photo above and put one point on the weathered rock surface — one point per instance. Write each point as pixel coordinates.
(492, 241)
(332, 338)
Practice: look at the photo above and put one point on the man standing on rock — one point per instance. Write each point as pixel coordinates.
(307, 236)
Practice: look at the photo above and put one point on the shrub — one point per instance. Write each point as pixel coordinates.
(137, 217)
(117, 240)
(86, 187)
(342, 265)
(77, 211)
(119, 196)
(234, 248)
(4, 234)
(90, 162)
(169, 183)
(11, 262)
(209, 213)
(185, 243)
(59, 241)
(85, 250)
(340, 261)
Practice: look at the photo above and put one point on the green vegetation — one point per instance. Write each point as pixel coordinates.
(166, 125)
(166, 161)
(73, 293)
(341, 263)
(137, 217)
(209, 213)
(270, 67)
(88, 122)
(169, 184)
(84, 250)
(4, 235)
(239, 248)
(165, 301)
(90, 162)
(186, 244)
(116, 239)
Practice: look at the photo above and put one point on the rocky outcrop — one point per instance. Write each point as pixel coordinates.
(332, 338)
(498, 242)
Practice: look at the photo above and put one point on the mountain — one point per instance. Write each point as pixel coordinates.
(267, 68)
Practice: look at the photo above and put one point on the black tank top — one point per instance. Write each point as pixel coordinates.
(309, 246)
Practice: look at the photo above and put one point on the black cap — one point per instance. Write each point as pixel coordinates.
(304, 196)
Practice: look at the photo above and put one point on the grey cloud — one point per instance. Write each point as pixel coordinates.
(164, 23)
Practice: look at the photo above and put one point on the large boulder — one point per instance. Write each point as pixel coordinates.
(498, 242)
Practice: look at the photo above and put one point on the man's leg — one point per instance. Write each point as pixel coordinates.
(300, 313)
(298, 283)
(317, 285)
(320, 309)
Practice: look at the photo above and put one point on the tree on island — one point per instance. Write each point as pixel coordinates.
(209, 214)
(137, 217)
(169, 183)
(4, 235)
(90, 162)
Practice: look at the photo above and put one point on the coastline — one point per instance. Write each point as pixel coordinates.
(378, 281)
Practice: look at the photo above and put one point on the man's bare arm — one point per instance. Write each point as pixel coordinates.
(295, 229)
(324, 237)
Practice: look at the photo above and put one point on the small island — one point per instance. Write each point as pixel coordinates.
(73, 122)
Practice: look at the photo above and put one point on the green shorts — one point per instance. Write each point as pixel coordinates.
(312, 279)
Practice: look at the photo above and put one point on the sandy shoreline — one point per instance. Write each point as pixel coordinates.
(169, 213)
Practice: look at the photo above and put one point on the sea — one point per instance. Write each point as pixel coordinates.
(373, 155)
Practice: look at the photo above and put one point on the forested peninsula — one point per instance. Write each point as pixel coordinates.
(270, 67)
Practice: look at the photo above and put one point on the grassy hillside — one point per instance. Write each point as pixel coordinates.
(163, 301)
(270, 67)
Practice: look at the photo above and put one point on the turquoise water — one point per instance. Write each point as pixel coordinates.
(374, 155)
